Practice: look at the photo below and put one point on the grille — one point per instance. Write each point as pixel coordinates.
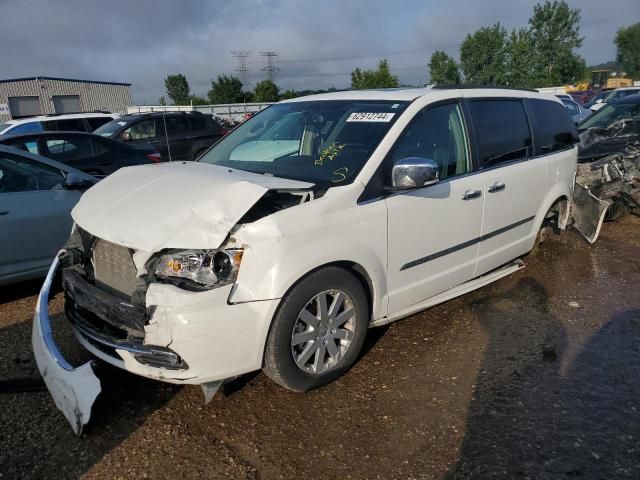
(114, 269)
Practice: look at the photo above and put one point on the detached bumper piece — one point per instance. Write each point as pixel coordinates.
(74, 390)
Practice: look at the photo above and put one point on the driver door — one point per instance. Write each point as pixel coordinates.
(434, 231)
(34, 216)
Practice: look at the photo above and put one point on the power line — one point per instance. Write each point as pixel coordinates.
(243, 70)
(271, 70)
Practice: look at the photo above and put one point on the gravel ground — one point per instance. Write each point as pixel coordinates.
(534, 376)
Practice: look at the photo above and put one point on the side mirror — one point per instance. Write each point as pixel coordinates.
(414, 172)
(74, 182)
(125, 136)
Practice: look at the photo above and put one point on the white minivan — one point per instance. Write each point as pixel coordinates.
(391, 201)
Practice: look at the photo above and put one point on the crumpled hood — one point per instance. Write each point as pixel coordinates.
(172, 205)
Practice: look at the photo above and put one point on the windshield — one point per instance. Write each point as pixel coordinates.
(322, 142)
(610, 114)
(110, 129)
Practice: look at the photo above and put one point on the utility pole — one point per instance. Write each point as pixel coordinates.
(271, 70)
(243, 70)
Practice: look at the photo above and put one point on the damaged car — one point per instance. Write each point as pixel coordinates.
(366, 207)
(608, 172)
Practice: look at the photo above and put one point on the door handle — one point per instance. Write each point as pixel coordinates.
(496, 187)
(471, 194)
(4, 212)
(153, 141)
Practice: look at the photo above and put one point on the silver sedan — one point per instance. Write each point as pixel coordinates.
(36, 198)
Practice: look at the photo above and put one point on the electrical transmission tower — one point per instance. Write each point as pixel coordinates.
(243, 70)
(271, 70)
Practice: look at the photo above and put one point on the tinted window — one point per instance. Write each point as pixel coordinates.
(553, 128)
(571, 108)
(67, 125)
(437, 133)
(69, 148)
(19, 174)
(198, 122)
(30, 127)
(26, 144)
(177, 125)
(143, 129)
(100, 148)
(96, 122)
(501, 129)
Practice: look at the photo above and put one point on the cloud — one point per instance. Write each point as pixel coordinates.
(144, 40)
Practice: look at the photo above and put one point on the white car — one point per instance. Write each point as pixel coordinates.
(616, 94)
(393, 201)
(75, 122)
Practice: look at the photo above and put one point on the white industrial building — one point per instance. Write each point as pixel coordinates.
(27, 97)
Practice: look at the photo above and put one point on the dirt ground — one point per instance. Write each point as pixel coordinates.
(535, 376)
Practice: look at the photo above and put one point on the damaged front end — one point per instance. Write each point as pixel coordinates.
(607, 184)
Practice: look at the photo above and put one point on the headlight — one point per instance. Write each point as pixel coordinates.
(208, 268)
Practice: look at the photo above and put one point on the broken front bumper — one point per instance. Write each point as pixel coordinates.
(74, 390)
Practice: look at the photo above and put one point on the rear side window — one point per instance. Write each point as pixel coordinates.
(67, 125)
(553, 128)
(177, 125)
(27, 144)
(97, 122)
(29, 127)
(66, 149)
(501, 130)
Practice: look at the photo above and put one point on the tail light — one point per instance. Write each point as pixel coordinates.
(154, 157)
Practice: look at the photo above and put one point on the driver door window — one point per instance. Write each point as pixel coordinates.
(437, 133)
(22, 175)
(143, 129)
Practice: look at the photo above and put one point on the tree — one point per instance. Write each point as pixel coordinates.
(162, 100)
(177, 89)
(288, 94)
(483, 56)
(520, 69)
(197, 100)
(443, 68)
(628, 49)
(555, 34)
(226, 89)
(380, 78)
(266, 91)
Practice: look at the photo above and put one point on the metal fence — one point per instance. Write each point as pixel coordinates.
(233, 111)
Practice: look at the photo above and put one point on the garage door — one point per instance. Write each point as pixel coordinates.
(24, 106)
(66, 103)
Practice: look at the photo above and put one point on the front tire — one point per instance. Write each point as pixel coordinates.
(318, 330)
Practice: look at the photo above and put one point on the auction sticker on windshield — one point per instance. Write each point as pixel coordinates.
(370, 117)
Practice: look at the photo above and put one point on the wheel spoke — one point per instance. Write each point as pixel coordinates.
(318, 363)
(303, 337)
(338, 300)
(343, 318)
(321, 301)
(332, 348)
(309, 318)
(342, 334)
(309, 350)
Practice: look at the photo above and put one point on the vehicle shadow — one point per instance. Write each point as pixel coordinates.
(530, 418)
(35, 440)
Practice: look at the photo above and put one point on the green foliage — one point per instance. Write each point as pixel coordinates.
(177, 89)
(628, 49)
(520, 66)
(483, 56)
(196, 100)
(288, 94)
(380, 78)
(443, 68)
(226, 89)
(555, 34)
(266, 91)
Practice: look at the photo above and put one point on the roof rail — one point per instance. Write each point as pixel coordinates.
(468, 86)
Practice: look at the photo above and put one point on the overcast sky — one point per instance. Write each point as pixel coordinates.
(319, 41)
